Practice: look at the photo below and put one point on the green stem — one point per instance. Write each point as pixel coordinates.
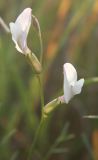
(32, 150)
(34, 62)
(37, 65)
(42, 117)
(40, 79)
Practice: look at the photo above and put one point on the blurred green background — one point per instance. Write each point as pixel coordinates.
(70, 34)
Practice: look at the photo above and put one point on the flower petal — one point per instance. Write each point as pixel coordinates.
(78, 87)
(15, 34)
(20, 30)
(70, 72)
(68, 94)
(24, 20)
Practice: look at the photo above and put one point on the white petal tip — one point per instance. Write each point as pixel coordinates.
(27, 11)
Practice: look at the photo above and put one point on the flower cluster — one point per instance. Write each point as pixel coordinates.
(19, 31)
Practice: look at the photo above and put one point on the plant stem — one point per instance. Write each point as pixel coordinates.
(40, 79)
(35, 139)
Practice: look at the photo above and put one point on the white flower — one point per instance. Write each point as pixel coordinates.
(20, 29)
(71, 85)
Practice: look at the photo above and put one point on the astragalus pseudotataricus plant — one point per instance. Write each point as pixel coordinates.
(19, 30)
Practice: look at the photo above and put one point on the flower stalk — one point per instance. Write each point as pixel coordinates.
(33, 60)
